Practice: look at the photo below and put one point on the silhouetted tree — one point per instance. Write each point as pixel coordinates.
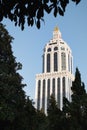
(54, 115)
(41, 120)
(79, 101)
(12, 95)
(31, 11)
(76, 110)
(30, 114)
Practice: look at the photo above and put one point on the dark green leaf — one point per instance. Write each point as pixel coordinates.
(55, 11)
(60, 11)
(38, 24)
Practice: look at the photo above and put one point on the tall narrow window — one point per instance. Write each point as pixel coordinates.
(58, 92)
(48, 92)
(63, 87)
(53, 87)
(68, 62)
(43, 64)
(38, 93)
(48, 62)
(63, 61)
(43, 96)
(55, 62)
(71, 65)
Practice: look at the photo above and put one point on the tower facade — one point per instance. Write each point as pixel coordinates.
(57, 75)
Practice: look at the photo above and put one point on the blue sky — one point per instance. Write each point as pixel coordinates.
(28, 45)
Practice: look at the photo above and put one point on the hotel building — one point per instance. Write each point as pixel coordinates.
(57, 75)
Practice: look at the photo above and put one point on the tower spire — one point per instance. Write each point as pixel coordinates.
(56, 33)
(56, 29)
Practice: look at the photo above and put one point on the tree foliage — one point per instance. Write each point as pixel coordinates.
(12, 95)
(54, 115)
(16, 109)
(41, 120)
(79, 101)
(30, 115)
(31, 11)
(76, 110)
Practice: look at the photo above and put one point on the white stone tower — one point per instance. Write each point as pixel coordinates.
(57, 74)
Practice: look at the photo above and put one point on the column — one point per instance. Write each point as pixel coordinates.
(56, 93)
(72, 65)
(36, 90)
(57, 61)
(41, 93)
(61, 94)
(66, 87)
(50, 86)
(46, 96)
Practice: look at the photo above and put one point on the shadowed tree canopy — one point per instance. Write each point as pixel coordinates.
(76, 110)
(12, 95)
(16, 109)
(54, 115)
(31, 11)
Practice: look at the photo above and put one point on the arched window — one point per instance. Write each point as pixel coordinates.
(63, 61)
(53, 87)
(43, 96)
(55, 48)
(48, 92)
(63, 86)
(55, 62)
(48, 62)
(58, 92)
(49, 49)
(38, 93)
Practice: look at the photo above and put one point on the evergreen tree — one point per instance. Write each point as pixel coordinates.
(16, 110)
(30, 115)
(76, 110)
(41, 120)
(54, 115)
(79, 100)
(12, 95)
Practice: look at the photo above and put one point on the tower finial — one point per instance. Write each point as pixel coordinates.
(56, 29)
